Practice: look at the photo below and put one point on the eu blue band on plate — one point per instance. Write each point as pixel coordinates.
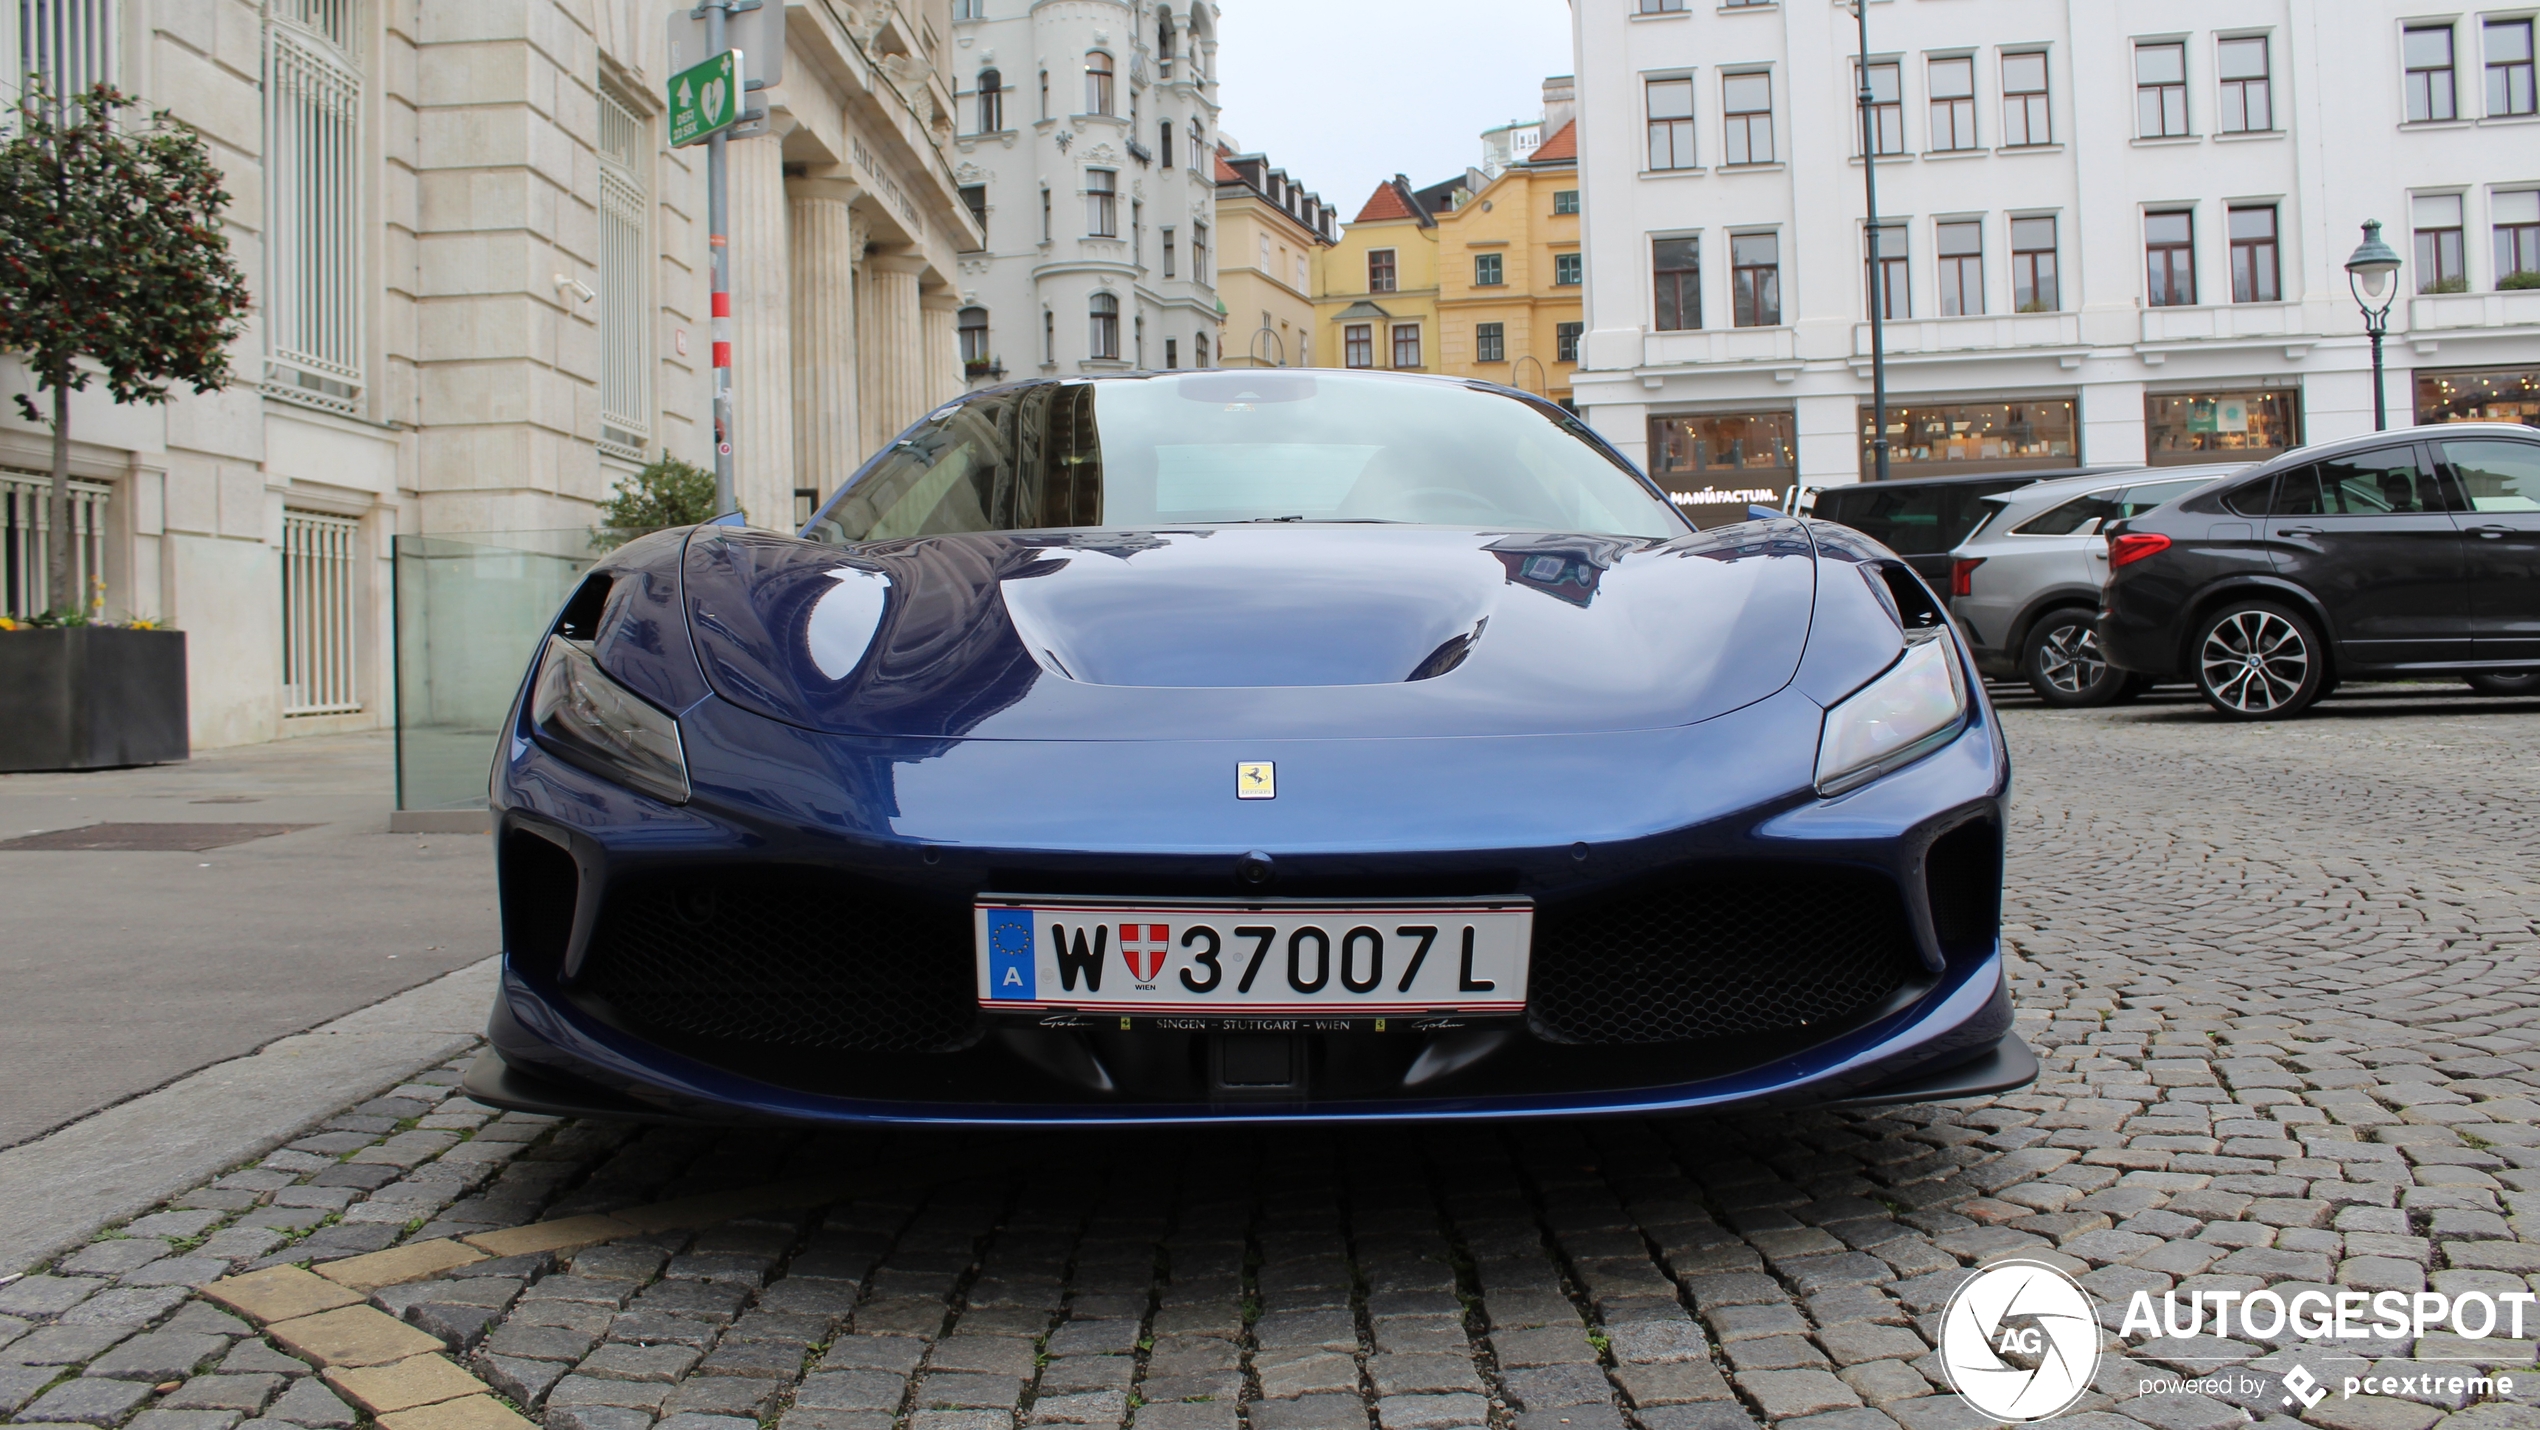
(1010, 964)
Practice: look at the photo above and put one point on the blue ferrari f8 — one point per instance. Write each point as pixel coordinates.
(1248, 746)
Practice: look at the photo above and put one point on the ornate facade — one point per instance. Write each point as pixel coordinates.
(1087, 133)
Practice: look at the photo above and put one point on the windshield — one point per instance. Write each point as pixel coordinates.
(1217, 447)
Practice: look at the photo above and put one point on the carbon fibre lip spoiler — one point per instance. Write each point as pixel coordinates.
(2007, 1066)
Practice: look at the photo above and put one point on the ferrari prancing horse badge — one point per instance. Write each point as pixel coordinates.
(1256, 779)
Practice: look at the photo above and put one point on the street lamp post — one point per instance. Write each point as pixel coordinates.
(1870, 194)
(2373, 275)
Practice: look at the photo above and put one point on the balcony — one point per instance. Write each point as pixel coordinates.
(2224, 321)
(1716, 345)
(2435, 311)
(1984, 332)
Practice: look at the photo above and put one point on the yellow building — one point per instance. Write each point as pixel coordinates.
(1509, 299)
(1268, 233)
(1376, 291)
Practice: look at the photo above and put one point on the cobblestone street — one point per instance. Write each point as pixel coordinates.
(2281, 978)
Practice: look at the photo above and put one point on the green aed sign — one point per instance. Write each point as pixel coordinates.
(705, 98)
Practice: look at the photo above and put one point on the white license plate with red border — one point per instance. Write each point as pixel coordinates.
(1219, 958)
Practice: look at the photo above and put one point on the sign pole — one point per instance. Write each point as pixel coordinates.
(719, 254)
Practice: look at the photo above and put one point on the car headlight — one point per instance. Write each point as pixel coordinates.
(1913, 708)
(605, 728)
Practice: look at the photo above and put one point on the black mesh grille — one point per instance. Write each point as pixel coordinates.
(789, 958)
(1718, 953)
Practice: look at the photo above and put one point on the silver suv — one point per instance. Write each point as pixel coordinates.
(2024, 584)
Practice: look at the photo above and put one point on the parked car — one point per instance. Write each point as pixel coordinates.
(2406, 553)
(1247, 746)
(2024, 585)
(1919, 518)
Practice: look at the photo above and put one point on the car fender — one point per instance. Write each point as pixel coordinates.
(2252, 586)
(2054, 598)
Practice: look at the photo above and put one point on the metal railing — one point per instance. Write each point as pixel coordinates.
(25, 524)
(312, 174)
(321, 614)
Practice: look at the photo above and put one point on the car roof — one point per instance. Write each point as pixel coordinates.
(2097, 481)
(2421, 432)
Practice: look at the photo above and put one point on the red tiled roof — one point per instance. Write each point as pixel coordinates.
(1563, 145)
(1225, 172)
(1385, 203)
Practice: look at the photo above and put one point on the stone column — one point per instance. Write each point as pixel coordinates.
(940, 314)
(828, 442)
(868, 343)
(763, 346)
(899, 359)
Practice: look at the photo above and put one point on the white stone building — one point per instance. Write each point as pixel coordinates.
(2110, 233)
(1087, 130)
(481, 298)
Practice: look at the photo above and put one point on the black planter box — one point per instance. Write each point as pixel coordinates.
(91, 698)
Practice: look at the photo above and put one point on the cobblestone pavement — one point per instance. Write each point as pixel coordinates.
(2281, 978)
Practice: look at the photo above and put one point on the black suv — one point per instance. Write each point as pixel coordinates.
(2415, 552)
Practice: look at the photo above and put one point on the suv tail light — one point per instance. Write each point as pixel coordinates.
(2133, 546)
(1962, 575)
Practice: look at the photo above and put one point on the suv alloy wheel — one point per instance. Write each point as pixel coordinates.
(2258, 661)
(2062, 662)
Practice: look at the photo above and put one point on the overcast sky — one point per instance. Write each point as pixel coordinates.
(1344, 94)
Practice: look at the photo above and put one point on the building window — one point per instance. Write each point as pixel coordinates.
(1199, 341)
(974, 197)
(1565, 201)
(970, 9)
(806, 506)
(1199, 255)
(1748, 102)
(2489, 395)
(321, 560)
(1137, 233)
(2160, 90)
(626, 320)
(2516, 216)
(69, 44)
(1168, 253)
(1103, 326)
(2428, 52)
(1490, 342)
(1487, 271)
(1380, 270)
(1662, 7)
(1728, 460)
(1139, 350)
(1976, 436)
(312, 178)
(1172, 354)
(1568, 270)
(1889, 286)
(2033, 286)
(2247, 105)
(2253, 255)
(1164, 48)
(1102, 204)
(2025, 120)
(1755, 280)
(1565, 337)
(1406, 345)
(1097, 82)
(2509, 67)
(1960, 244)
(2439, 248)
(1045, 94)
(1045, 215)
(1358, 345)
(991, 102)
(1953, 104)
(1049, 336)
(2169, 252)
(1676, 271)
(972, 325)
(2192, 426)
(1887, 106)
(1164, 142)
(1670, 123)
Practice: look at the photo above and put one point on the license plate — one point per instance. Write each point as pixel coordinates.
(1216, 959)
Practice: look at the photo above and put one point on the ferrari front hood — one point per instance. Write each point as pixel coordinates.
(1258, 631)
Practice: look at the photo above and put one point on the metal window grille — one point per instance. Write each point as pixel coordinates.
(320, 628)
(312, 174)
(26, 525)
(69, 43)
(626, 154)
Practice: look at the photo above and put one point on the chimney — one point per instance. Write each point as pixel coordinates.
(1560, 103)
